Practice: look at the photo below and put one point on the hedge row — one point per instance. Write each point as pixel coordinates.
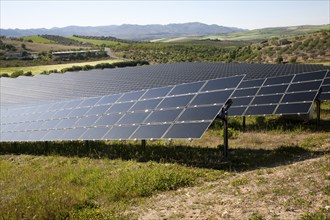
(18, 73)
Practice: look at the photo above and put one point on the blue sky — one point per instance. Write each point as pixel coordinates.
(243, 14)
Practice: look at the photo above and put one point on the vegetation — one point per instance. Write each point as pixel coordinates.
(103, 38)
(97, 41)
(303, 48)
(267, 33)
(13, 72)
(61, 40)
(37, 39)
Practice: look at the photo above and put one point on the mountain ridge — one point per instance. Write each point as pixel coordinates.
(129, 31)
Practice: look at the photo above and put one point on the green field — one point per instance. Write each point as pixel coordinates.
(58, 67)
(37, 39)
(96, 42)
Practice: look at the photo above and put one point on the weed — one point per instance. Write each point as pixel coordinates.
(256, 216)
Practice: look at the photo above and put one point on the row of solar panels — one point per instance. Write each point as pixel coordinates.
(181, 111)
(93, 83)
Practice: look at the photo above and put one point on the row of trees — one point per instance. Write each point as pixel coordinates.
(18, 73)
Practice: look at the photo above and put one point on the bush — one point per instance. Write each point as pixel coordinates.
(17, 73)
(29, 73)
(4, 75)
(232, 133)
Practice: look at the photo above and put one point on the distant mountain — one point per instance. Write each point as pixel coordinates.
(129, 31)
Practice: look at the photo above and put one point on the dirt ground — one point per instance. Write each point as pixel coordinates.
(284, 192)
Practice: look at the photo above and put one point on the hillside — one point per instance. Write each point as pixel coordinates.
(127, 31)
(312, 47)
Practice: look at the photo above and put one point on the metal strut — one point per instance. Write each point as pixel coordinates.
(224, 118)
(318, 112)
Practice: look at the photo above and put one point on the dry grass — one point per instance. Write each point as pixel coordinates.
(283, 192)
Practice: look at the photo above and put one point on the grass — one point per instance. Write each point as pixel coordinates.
(38, 69)
(287, 169)
(71, 187)
(37, 39)
(97, 42)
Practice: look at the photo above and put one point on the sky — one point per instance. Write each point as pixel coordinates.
(246, 14)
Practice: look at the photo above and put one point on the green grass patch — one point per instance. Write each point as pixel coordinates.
(39, 69)
(37, 39)
(49, 187)
(97, 42)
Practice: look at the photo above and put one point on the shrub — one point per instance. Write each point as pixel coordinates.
(29, 73)
(4, 75)
(17, 73)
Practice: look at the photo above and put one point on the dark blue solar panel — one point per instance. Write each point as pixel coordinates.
(94, 133)
(245, 92)
(251, 83)
(241, 101)
(120, 132)
(150, 131)
(131, 96)
(223, 83)
(273, 90)
(279, 80)
(260, 110)
(108, 120)
(190, 130)
(309, 76)
(299, 97)
(296, 108)
(133, 118)
(155, 93)
(305, 86)
(187, 88)
(210, 98)
(109, 99)
(173, 102)
(163, 116)
(267, 99)
(199, 113)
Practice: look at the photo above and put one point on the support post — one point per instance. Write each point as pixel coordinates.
(243, 123)
(225, 136)
(224, 118)
(318, 112)
(46, 147)
(143, 143)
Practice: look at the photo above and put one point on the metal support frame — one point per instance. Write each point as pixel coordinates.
(243, 123)
(318, 112)
(46, 146)
(224, 118)
(86, 143)
(143, 143)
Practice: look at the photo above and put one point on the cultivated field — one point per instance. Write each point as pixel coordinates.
(58, 67)
(96, 42)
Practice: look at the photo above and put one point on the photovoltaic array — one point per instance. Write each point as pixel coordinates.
(152, 102)
(181, 111)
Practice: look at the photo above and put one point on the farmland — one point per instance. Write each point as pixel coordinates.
(96, 42)
(39, 69)
(37, 39)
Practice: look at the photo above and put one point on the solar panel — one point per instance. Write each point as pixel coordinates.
(295, 91)
(73, 85)
(88, 105)
(154, 113)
